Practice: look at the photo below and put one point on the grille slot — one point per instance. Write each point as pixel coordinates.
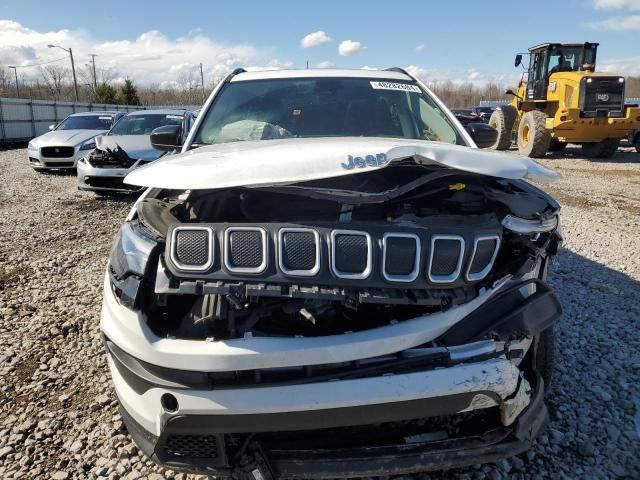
(299, 251)
(400, 257)
(192, 248)
(351, 254)
(245, 249)
(445, 262)
(485, 250)
(57, 152)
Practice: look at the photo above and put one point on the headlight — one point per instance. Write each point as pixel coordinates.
(88, 145)
(31, 146)
(128, 263)
(522, 225)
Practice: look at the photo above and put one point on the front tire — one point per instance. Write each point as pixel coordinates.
(533, 136)
(636, 142)
(498, 121)
(603, 149)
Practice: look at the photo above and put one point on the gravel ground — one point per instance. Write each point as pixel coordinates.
(58, 415)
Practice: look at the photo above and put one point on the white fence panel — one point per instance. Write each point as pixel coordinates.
(23, 119)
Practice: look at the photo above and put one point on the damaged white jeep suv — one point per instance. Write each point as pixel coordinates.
(331, 280)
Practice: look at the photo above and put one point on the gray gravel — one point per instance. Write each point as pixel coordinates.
(58, 415)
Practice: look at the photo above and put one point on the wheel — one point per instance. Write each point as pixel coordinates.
(497, 121)
(546, 356)
(603, 149)
(636, 142)
(556, 145)
(533, 136)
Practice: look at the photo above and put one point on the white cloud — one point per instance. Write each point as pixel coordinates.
(420, 47)
(314, 39)
(621, 66)
(151, 57)
(325, 65)
(471, 75)
(349, 47)
(627, 22)
(607, 4)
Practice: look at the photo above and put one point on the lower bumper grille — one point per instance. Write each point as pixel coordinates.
(193, 449)
(59, 164)
(57, 152)
(114, 183)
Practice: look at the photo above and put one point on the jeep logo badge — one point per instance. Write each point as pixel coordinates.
(377, 160)
(602, 97)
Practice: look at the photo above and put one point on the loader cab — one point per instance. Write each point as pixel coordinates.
(550, 58)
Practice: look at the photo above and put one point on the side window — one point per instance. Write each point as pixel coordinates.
(436, 127)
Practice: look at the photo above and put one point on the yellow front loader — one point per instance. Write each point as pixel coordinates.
(562, 99)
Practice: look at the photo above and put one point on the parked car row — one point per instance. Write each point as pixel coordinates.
(473, 114)
(104, 146)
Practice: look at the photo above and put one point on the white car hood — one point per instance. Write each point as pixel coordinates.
(277, 162)
(65, 138)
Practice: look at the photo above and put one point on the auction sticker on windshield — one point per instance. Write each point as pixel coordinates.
(403, 87)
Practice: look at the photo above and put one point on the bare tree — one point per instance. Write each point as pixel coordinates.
(55, 78)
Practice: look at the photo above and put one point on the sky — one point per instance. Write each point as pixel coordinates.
(462, 41)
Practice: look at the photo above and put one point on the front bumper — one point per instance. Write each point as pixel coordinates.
(95, 179)
(40, 162)
(182, 412)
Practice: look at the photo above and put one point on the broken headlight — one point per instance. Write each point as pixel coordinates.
(129, 262)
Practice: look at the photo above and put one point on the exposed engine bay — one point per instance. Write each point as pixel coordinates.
(330, 256)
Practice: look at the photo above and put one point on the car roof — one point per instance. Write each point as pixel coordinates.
(95, 113)
(321, 72)
(165, 111)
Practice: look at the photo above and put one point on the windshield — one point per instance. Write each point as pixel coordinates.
(569, 59)
(140, 124)
(86, 122)
(324, 107)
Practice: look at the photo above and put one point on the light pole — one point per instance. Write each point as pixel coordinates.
(15, 71)
(73, 67)
(202, 82)
(93, 61)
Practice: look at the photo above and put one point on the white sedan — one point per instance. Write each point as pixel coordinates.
(69, 140)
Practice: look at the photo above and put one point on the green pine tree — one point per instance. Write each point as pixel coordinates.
(105, 93)
(128, 94)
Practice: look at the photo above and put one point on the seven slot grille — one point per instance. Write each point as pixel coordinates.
(351, 254)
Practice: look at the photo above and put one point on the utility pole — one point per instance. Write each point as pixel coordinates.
(73, 67)
(15, 71)
(93, 62)
(202, 82)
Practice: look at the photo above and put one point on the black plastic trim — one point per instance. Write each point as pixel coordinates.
(508, 315)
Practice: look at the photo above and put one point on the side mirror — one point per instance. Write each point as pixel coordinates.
(52, 127)
(166, 138)
(482, 134)
(509, 92)
(518, 60)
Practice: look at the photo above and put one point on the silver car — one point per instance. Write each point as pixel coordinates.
(69, 140)
(126, 147)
